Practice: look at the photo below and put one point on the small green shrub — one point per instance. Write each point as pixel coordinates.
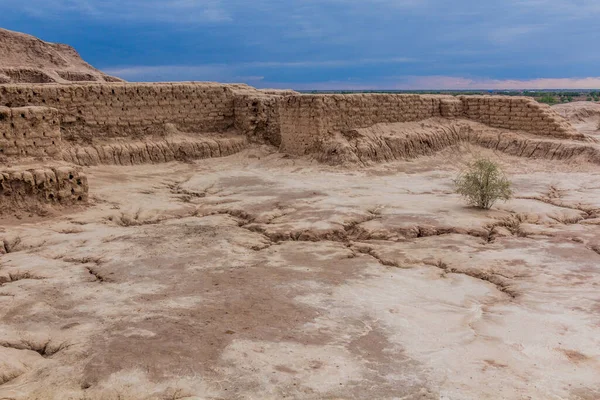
(483, 183)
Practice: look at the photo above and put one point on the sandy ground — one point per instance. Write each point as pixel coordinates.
(262, 276)
(583, 115)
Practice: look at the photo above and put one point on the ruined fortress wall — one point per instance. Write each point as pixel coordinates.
(519, 114)
(306, 120)
(257, 116)
(88, 113)
(129, 109)
(29, 131)
(20, 188)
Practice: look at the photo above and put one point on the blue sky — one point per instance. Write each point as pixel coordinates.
(328, 44)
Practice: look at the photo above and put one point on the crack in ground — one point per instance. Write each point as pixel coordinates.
(371, 252)
(10, 246)
(42, 348)
(590, 212)
(18, 276)
(352, 231)
(495, 279)
(352, 228)
(97, 276)
(185, 195)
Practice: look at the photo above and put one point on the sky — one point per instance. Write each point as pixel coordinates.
(329, 44)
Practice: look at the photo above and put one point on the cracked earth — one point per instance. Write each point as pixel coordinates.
(263, 276)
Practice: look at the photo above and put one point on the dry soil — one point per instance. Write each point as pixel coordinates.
(264, 276)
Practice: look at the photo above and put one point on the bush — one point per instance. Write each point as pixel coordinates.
(483, 183)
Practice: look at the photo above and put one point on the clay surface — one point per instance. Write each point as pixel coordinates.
(584, 116)
(261, 275)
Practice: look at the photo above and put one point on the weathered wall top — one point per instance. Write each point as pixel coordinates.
(94, 113)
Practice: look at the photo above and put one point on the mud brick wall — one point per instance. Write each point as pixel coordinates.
(91, 111)
(22, 188)
(88, 113)
(519, 114)
(257, 116)
(29, 131)
(306, 119)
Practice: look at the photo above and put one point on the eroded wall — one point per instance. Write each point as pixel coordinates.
(257, 116)
(519, 114)
(29, 131)
(307, 120)
(22, 188)
(98, 111)
(96, 114)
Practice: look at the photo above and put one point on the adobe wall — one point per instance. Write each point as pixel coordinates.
(87, 112)
(22, 188)
(257, 116)
(29, 131)
(306, 120)
(129, 109)
(519, 114)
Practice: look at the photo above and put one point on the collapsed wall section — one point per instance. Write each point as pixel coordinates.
(93, 111)
(29, 131)
(257, 117)
(25, 188)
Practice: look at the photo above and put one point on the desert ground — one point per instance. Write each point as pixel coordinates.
(267, 276)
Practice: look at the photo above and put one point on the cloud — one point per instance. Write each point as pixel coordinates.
(314, 41)
(229, 72)
(221, 73)
(235, 73)
(508, 34)
(304, 12)
(175, 11)
(328, 63)
(459, 83)
(562, 8)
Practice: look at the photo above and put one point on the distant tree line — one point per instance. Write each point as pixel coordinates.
(542, 96)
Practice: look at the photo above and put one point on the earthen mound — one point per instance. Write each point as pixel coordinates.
(27, 59)
(386, 142)
(583, 115)
(578, 111)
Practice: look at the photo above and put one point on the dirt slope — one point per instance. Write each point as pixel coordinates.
(583, 115)
(405, 140)
(27, 59)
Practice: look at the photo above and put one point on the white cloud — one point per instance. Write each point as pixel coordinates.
(509, 34)
(563, 8)
(459, 83)
(229, 72)
(198, 11)
(175, 11)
